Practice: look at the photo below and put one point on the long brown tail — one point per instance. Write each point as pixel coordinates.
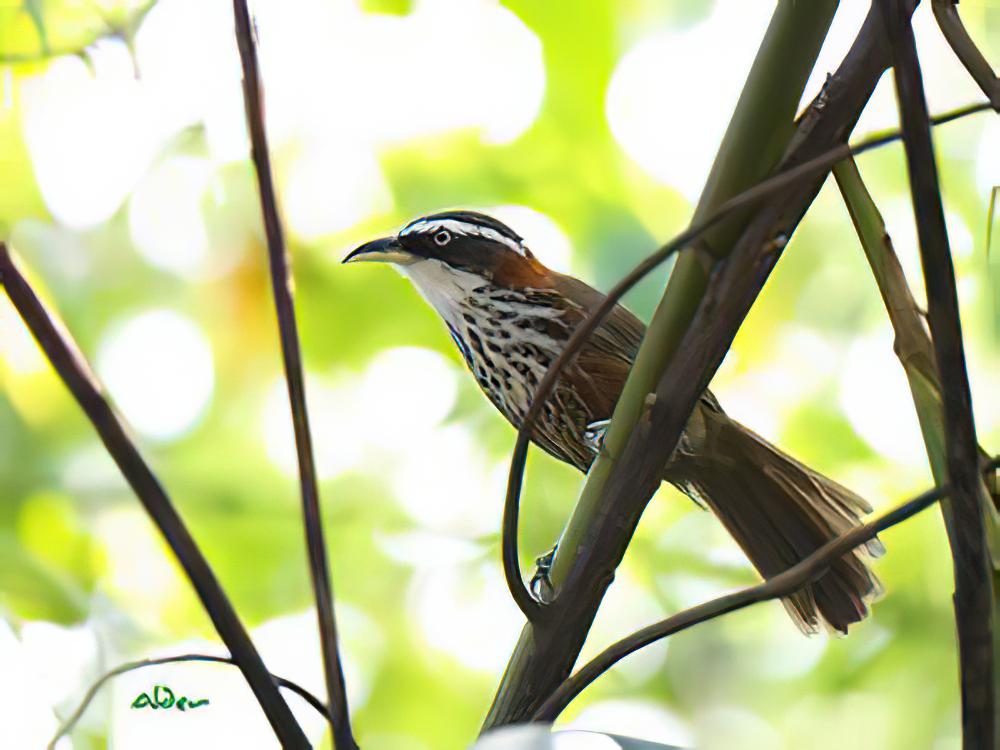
(779, 511)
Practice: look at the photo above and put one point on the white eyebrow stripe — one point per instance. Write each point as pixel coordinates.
(463, 228)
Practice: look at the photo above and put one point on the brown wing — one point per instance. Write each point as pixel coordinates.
(604, 361)
(589, 388)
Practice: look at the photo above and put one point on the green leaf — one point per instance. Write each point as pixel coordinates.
(36, 30)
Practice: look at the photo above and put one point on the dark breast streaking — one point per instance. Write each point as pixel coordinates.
(511, 316)
(508, 340)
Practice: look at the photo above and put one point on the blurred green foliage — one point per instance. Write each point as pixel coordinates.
(35, 30)
(76, 550)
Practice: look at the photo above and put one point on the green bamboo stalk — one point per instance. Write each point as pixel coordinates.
(915, 350)
(912, 343)
(756, 140)
(758, 134)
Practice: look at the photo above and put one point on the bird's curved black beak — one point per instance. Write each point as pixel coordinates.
(385, 250)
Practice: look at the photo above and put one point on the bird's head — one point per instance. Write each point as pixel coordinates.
(452, 245)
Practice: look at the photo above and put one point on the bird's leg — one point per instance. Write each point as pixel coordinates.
(540, 586)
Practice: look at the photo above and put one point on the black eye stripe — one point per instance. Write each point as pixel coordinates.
(463, 224)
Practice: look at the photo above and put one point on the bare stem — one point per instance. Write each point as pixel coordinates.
(913, 344)
(965, 49)
(974, 596)
(68, 362)
(281, 284)
(781, 585)
(755, 141)
(616, 492)
(68, 725)
(750, 197)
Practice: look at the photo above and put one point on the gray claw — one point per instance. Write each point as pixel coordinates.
(541, 585)
(594, 434)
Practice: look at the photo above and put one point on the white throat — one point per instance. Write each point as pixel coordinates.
(444, 287)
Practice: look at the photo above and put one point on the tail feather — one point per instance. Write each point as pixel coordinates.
(780, 511)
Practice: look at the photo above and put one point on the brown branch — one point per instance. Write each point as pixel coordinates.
(281, 283)
(781, 585)
(969, 546)
(581, 334)
(72, 368)
(965, 49)
(547, 649)
(68, 725)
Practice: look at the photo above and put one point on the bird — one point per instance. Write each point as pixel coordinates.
(510, 317)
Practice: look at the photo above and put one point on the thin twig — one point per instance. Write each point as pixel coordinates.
(912, 344)
(993, 261)
(973, 571)
(71, 721)
(595, 317)
(546, 650)
(965, 49)
(754, 142)
(782, 585)
(69, 363)
(281, 283)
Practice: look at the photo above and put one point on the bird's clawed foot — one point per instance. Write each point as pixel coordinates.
(541, 586)
(593, 436)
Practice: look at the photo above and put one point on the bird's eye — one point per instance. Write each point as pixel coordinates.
(442, 238)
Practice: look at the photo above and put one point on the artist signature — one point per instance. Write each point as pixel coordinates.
(163, 697)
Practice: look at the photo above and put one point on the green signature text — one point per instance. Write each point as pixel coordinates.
(163, 697)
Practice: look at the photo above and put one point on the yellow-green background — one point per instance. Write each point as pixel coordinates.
(84, 581)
